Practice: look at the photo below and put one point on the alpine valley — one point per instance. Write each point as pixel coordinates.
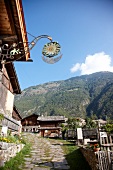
(76, 97)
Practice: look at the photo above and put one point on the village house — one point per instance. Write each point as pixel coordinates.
(50, 126)
(46, 126)
(12, 31)
(29, 123)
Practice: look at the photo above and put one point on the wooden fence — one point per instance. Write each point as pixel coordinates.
(87, 133)
(71, 134)
(90, 133)
(101, 160)
(30, 128)
(105, 160)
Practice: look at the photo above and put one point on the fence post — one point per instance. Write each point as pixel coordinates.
(110, 157)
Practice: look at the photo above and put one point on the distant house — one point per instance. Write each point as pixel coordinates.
(29, 123)
(30, 120)
(46, 126)
(100, 121)
(50, 126)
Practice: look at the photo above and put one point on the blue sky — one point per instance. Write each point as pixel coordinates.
(83, 28)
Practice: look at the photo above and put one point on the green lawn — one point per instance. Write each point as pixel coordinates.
(74, 157)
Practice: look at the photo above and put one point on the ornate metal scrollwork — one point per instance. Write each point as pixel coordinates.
(16, 51)
(10, 53)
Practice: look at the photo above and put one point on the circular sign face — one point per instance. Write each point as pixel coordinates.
(51, 49)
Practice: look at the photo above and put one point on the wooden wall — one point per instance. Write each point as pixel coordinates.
(49, 123)
(30, 121)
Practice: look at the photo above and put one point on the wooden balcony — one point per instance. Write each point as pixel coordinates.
(38, 128)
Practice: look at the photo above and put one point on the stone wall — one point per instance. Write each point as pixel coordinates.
(11, 123)
(6, 100)
(8, 150)
(90, 157)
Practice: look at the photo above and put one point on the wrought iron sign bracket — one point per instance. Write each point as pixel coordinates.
(15, 52)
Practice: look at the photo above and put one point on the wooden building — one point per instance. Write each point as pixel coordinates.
(12, 25)
(30, 124)
(30, 120)
(12, 30)
(50, 126)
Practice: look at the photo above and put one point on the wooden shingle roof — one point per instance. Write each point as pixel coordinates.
(51, 118)
(31, 115)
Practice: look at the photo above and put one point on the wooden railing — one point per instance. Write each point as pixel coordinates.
(87, 133)
(105, 160)
(38, 128)
(30, 128)
(101, 160)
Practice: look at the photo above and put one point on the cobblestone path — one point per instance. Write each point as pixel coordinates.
(45, 155)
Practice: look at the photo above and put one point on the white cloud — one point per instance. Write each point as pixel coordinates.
(94, 63)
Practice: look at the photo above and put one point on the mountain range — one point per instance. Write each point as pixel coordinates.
(79, 96)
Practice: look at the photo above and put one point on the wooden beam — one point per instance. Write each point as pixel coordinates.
(8, 37)
(9, 12)
(22, 27)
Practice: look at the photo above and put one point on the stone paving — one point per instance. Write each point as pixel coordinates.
(45, 155)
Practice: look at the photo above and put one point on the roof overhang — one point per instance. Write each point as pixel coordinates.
(51, 119)
(17, 112)
(13, 78)
(49, 128)
(30, 116)
(12, 25)
(13, 30)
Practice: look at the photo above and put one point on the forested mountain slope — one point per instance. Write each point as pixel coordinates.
(78, 96)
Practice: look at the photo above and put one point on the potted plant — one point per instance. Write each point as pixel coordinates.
(96, 147)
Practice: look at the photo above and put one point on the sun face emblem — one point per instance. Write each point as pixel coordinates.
(51, 49)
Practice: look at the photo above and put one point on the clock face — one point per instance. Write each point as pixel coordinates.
(51, 49)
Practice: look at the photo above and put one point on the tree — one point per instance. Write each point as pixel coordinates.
(73, 123)
(1, 116)
(90, 123)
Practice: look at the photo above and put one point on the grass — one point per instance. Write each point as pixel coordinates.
(14, 163)
(74, 157)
